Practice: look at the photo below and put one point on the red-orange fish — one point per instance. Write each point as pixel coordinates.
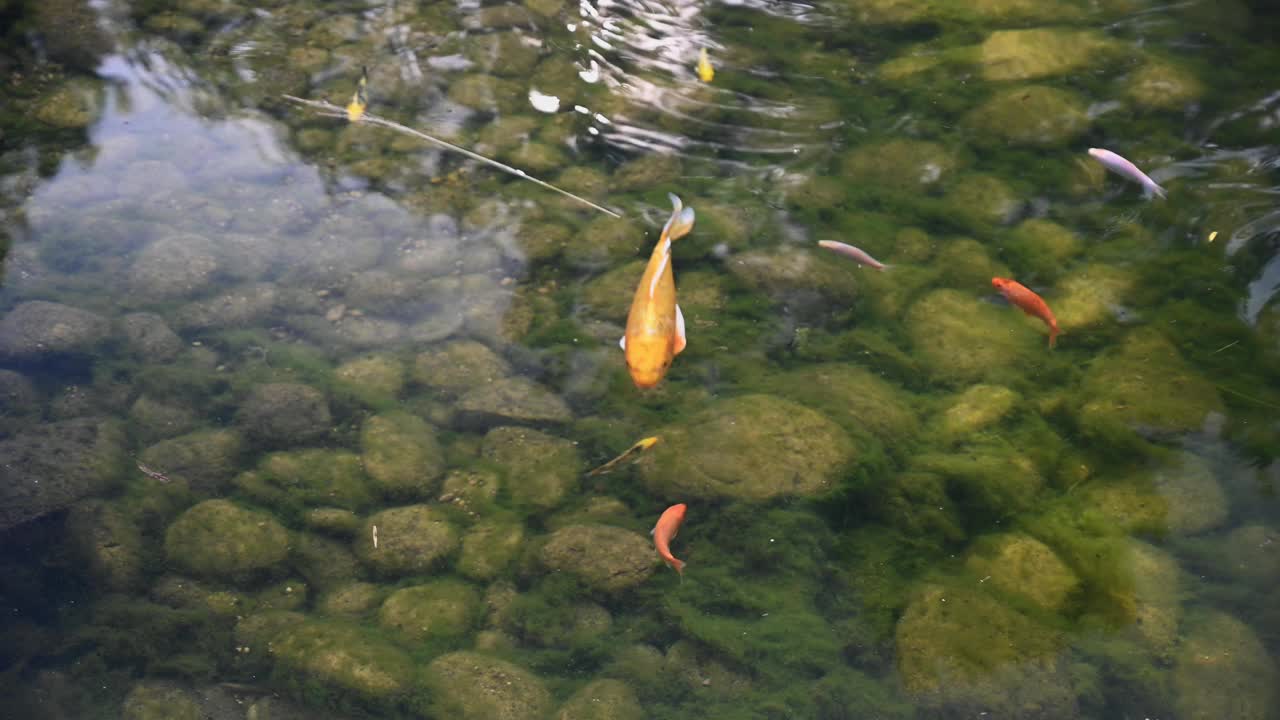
(665, 531)
(1029, 302)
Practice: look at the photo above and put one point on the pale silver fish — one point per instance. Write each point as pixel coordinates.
(1126, 169)
(857, 254)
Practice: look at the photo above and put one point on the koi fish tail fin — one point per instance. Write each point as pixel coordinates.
(678, 565)
(1151, 189)
(1053, 336)
(680, 222)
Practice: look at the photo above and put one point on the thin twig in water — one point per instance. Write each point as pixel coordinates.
(331, 110)
(1224, 347)
(153, 474)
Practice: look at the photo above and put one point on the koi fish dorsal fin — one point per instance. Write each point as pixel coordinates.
(680, 338)
(680, 222)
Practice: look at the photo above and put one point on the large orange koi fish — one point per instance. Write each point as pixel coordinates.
(655, 325)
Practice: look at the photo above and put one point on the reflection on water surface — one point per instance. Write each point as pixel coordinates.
(298, 413)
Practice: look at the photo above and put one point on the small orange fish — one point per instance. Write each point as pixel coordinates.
(665, 531)
(1029, 302)
(655, 325)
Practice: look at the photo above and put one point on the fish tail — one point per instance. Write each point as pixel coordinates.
(1053, 336)
(1150, 188)
(680, 222)
(678, 565)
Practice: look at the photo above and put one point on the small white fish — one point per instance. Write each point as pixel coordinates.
(375, 537)
(1126, 169)
(857, 254)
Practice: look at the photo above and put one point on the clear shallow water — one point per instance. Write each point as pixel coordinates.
(901, 503)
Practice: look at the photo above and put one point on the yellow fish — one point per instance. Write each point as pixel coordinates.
(360, 100)
(639, 447)
(655, 325)
(705, 71)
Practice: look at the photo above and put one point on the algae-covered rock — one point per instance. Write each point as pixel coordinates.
(1041, 249)
(412, 540)
(243, 306)
(158, 700)
(1144, 385)
(283, 414)
(604, 242)
(991, 475)
(502, 53)
(647, 171)
(753, 447)
(487, 93)
(351, 599)
(442, 609)
(797, 275)
(148, 336)
(1092, 295)
(1043, 52)
(965, 263)
(541, 469)
(469, 488)
(49, 466)
(18, 393)
(375, 379)
(1193, 498)
(77, 103)
(1020, 565)
(974, 410)
(336, 521)
(172, 267)
(308, 477)
(608, 295)
(979, 199)
(205, 459)
(917, 503)
(36, 329)
(604, 699)
(899, 164)
(401, 455)
(109, 542)
(472, 686)
(325, 562)
(458, 366)
(959, 338)
(1250, 556)
(1161, 85)
(608, 559)
(343, 656)
(1033, 115)
(489, 547)
(962, 651)
(1154, 606)
(218, 538)
(1222, 670)
(855, 398)
(510, 400)
(153, 419)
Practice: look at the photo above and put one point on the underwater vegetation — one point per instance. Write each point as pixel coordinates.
(299, 414)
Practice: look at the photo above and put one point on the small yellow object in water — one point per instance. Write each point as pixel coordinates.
(1213, 235)
(375, 537)
(360, 100)
(705, 71)
(640, 446)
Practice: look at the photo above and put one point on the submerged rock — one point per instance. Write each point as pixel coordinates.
(343, 656)
(959, 338)
(1019, 564)
(173, 267)
(375, 379)
(442, 609)
(412, 540)
(205, 459)
(1043, 52)
(1144, 385)
(284, 414)
(1159, 85)
(109, 542)
(856, 398)
(962, 653)
(308, 477)
(608, 559)
(1222, 670)
(974, 410)
(1193, 498)
(472, 686)
(510, 400)
(158, 700)
(148, 337)
(1033, 115)
(902, 165)
(218, 538)
(401, 454)
(37, 329)
(602, 700)
(797, 275)
(753, 447)
(1091, 296)
(51, 465)
(541, 469)
(489, 547)
(456, 367)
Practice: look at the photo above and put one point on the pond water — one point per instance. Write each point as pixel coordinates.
(298, 412)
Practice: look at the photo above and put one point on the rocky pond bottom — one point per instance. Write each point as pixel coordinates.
(297, 414)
